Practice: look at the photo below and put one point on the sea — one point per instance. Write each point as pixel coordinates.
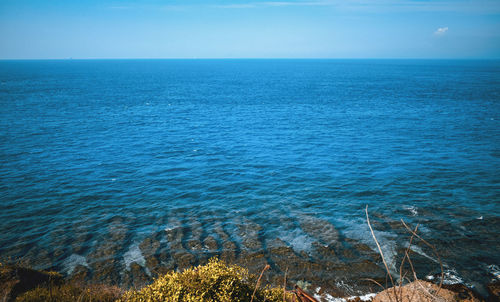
(115, 171)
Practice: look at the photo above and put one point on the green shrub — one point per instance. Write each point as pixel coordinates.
(215, 281)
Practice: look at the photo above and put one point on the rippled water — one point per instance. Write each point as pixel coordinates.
(107, 164)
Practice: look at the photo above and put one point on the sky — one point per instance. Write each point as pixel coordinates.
(93, 29)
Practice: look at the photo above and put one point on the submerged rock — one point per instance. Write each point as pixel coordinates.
(106, 267)
(150, 247)
(180, 255)
(285, 259)
(210, 244)
(229, 248)
(194, 242)
(136, 277)
(81, 274)
(324, 231)
(249, 231)
(254, 261)
(38, 257)
(82, 236)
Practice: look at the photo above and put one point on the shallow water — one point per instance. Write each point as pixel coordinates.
(165, 163)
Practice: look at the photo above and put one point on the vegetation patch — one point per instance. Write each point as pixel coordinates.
(71, 293)
(215, 281)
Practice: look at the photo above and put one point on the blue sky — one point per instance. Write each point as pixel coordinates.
(52, 29)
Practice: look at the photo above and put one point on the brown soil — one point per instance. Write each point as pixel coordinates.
(422, 291)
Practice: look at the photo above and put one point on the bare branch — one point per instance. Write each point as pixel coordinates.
(433, 249)
(381, 254)
(258, 281)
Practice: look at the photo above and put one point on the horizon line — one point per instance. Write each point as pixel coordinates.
(246, 58)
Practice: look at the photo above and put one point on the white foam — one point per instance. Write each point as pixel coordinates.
(297, 239)
(388, 247)
(72, 262)
(326, 297)
(134, 254)
(330, 298)
(358, 230)
(419, 251)
(172, 225)
(451, 277)
(494, 270)
(412, 209)
(367, 297)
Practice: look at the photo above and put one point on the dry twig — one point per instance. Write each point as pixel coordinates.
(406, 256)
(303, 296)
(381, 254)
(258, 281)
(397, 289)
(284, 285)
(434, 251)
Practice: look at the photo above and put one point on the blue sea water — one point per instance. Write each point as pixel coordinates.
(94, 151)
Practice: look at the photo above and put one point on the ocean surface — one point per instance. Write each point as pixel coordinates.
(119, 169)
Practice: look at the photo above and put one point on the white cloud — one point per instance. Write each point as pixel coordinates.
(441, 31)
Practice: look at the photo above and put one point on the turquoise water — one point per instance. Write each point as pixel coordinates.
(108, 162)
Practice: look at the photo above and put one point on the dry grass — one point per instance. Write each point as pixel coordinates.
(71, 293)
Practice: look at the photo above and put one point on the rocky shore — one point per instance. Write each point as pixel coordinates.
(332, 268)
(24, 284)
(321, 257)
